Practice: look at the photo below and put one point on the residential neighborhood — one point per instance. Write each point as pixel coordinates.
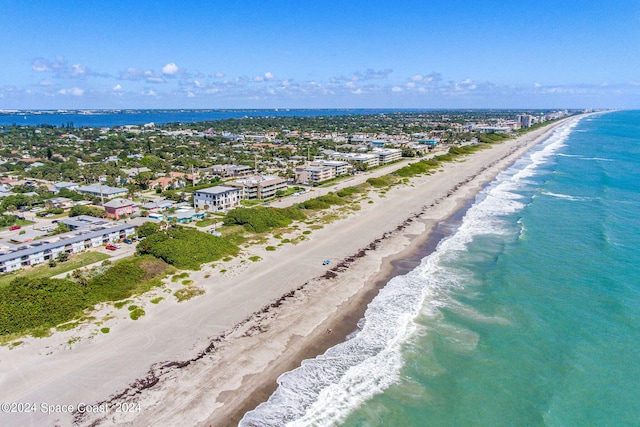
(184, 172)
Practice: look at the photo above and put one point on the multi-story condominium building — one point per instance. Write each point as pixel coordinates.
(387, 155)
(364, 160)
(217, 198)
(526, 120)
(231, 170)
(314, 174)
(341, 167)
(259, 187)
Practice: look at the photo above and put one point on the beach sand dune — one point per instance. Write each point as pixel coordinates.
(209, 360)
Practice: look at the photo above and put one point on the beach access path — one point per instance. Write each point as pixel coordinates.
(207, 358)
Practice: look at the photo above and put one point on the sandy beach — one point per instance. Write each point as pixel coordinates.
(208, 360)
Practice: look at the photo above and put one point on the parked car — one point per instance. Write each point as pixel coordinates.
(128, 241)
(111, 247)
(15, 227)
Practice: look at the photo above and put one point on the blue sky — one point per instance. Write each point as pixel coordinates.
(320, 54)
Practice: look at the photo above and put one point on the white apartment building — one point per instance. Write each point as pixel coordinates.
(366, 160)
(387, 155)
(87, 234)
(217, 198)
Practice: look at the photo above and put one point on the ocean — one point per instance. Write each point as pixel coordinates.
(528, 314)
(108, 118)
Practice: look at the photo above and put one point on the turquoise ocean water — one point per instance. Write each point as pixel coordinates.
(528, 315)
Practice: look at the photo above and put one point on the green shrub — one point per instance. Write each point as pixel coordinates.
(345, 192)
(417, 168)
(314, 204)
(262, 219)
(187, 293)
(331, 199)
(186, 248)
(27, 304)
(177, 277)
(148, 229)
(379, 182)
(121, 304)
(136, 313)
(35, 305)
(87, 210)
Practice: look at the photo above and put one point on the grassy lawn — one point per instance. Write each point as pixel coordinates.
(43, 270)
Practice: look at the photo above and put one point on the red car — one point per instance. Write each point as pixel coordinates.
(111, 247)
(15, 227)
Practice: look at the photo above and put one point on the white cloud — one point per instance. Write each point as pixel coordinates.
(73, 91)
(42, 65)
(219, 75)
(39, 66)
(396, 89)
(135, 74)
(61, 70)
(170, 69)
(416, 78)
(78, 70)
(268, 76)
(117, 88)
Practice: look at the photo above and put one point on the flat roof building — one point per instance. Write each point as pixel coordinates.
(218, 198)
(259, 187)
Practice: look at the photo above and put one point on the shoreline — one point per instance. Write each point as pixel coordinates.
(352, 311)
(210, 360)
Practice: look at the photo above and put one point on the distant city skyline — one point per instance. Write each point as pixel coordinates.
(310, 54)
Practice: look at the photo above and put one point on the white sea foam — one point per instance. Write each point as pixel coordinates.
(324, 390)
(599, 159)
(566, 196)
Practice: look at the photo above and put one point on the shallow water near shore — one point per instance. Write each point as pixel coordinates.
(526, 315)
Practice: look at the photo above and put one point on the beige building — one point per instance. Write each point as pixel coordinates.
(259, 187)
(314, 174)
(341, 167)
